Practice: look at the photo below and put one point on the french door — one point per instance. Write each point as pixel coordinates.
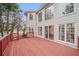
(49, 32)
(67, 32)
(70, 33)
(46, 31)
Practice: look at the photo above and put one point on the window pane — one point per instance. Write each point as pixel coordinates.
(61, 32)
(31, 29)
(70, 33)
(40, 17)
(69, 8)
(46, 31)
(31, 17)
(51, 32)
(48, 13)
(39, 30)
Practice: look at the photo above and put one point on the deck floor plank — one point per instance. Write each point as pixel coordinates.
(38, 47)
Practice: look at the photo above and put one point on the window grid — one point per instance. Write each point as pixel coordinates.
(31, 17)
(40, 31)
(40, 17)
(61, 32)
(48, 13)
(70, 33)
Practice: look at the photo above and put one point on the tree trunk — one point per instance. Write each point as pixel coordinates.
(1, 24)
(7, 27)
(24, 31)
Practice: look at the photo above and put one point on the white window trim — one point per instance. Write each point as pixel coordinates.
(75, 36)
(64, 33)
(41, 17)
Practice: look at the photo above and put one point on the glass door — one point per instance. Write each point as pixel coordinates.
(70, 33)
(62, 32)
(46, 31)
(51, 32)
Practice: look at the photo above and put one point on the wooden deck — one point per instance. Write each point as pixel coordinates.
(38, 47)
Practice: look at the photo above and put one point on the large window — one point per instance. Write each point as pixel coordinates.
(67, 35)
(69, 8)
(48, 13)
(61, 32)
(70, 32)
(40, 17)
(39, 30)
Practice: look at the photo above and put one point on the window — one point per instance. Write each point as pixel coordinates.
(31, 29)
(61, 32)
(51, 32)
(70, 32)
(40, 17)
(39, 30)
(46, 32)
(31, 17)
(69, 8)
(48, 13)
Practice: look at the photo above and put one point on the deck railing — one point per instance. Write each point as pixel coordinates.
(0, 48)
(78, 43)
(4, 41)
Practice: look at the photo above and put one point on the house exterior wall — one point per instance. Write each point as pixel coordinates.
(44, 22)
(57, 19)
(31, 23)
(65, 19)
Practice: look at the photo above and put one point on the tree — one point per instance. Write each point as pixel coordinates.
(19, 20)
(24, 29)
(7, 8)
(10, 7)
(1, 21)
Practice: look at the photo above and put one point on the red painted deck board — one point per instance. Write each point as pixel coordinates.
(38, 47)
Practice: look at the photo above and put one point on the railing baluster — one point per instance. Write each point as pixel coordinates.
(4, 41)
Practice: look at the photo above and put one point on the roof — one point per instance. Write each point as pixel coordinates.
(44, 5)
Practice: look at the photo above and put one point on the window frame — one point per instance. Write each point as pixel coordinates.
(62, 32)
(40, 17)
(40, 31)
(30, 16)
(70, 33)
(48, 13)
(69, 10)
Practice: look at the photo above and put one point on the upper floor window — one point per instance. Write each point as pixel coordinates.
(40, 17)
(69, 8)
(48, 12)
(31, 17)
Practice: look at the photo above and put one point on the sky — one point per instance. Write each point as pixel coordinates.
(28, 6)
